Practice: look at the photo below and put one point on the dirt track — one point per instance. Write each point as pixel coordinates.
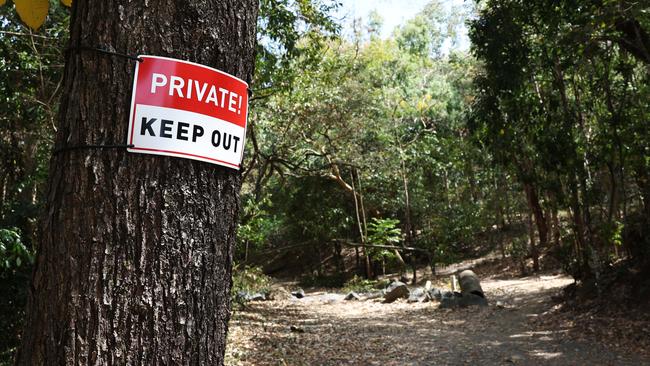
(331, 331)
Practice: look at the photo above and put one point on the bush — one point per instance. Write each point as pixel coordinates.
(323, 280)
(250, 280)
(15, 268)
(13, 253)
(358, 284)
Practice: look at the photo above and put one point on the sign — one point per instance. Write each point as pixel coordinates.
(188, 110)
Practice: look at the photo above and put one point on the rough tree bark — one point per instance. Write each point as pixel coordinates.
(134, 259)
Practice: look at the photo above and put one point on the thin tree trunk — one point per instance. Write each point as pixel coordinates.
(340, 265)
(358, 210)
(134, 259)
(407, 215)
(579, 226)
(500, 217)
(356, 257)
(246, 252)
(446, 184)
(362, 206)
(557, 234)
(506, 199)
(401, 261)
(533, 246)
(540, 221)
(365, 222)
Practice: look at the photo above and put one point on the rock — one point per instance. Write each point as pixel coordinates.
(257, 297)
(470, 289)
(427, 286)
(327, 298)
(434, 294)
(299, 293)
(448, 303)
(470, 284)
(352, 296)
(247, 296)
(395, 291)
(373, 295)
(438, 294)
(471, 293)
(471, 300)
(462, 301)
(417, 295)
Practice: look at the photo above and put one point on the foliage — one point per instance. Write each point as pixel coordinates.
(32, 69)
(13, 252)
(249, 280)
(383, 232)
(259, 228)
(334, 280)
(360, 285)
(15, 267)
(378, 118)
(560, 105)
(287, 30)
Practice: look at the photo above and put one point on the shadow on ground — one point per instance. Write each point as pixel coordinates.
(325, 330)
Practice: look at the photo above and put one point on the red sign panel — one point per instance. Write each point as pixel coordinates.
(188, 110)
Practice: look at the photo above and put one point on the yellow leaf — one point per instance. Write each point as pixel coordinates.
(67, 3)
(32, 12)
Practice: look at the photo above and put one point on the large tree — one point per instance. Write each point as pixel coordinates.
(134, 258)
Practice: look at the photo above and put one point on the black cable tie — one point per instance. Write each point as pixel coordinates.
(105, 52)
(79, 147)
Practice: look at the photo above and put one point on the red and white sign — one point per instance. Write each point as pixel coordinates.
(188, 110)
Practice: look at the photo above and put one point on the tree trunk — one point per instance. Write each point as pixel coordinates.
(579, 228)
(407, 216)
(557, 234)
(362, 233)
(134, 257)
(340, 265)
(501, 224)
(363, 218)
(533, 247)
(540, 222)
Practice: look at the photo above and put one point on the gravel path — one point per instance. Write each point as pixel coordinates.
(326, 330)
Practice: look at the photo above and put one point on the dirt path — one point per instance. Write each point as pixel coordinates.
(330, 331)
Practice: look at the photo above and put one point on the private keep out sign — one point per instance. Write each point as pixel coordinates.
(188, 110)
